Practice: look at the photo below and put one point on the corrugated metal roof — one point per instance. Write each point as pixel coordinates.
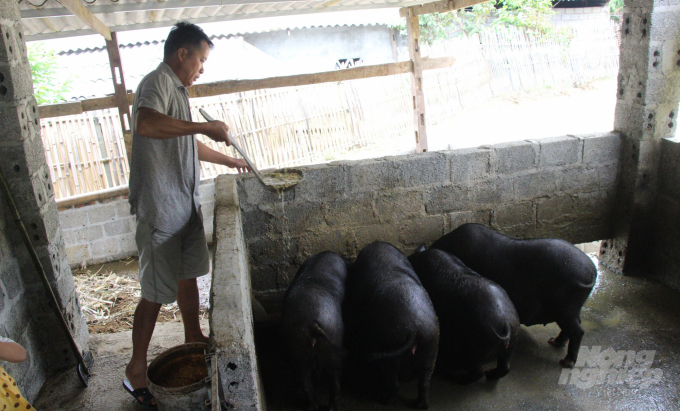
(90, 74)
(45, 19)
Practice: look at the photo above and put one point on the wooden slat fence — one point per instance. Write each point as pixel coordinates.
(292, 126)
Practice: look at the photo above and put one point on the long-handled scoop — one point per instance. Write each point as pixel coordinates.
(277, 181)
(236, 146)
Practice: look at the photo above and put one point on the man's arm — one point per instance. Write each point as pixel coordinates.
(206, 153)
(152, 124)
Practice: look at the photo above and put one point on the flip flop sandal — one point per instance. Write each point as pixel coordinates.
(140, 392)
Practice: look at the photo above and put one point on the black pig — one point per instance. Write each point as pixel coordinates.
(390, 320)
(478, 322)
(312, 326)
(548, 280)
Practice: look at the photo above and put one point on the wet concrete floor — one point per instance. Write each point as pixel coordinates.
(623, 313)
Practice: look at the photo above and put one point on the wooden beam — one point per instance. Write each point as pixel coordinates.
(413, 30)
(233, 86)
(62, 109)
(80, 11)
(121, 98)
(439, 7)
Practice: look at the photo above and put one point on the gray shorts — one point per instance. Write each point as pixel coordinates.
(164, 258)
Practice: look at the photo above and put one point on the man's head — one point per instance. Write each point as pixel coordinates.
(186, 49)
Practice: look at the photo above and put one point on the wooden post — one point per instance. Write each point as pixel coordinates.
(413, 28)
(393, 41)
(121, 92)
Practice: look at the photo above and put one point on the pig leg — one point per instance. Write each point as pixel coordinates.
(334, 390)
(426, 356)
(308, 390)
(560, 340)
(572, 328)
(502, 364)
(389, 375)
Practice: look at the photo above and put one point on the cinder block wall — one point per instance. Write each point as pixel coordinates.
(104, 231)
(15, 320)
(555, 187)
(665, 261)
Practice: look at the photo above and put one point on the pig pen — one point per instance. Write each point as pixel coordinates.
(554, 187)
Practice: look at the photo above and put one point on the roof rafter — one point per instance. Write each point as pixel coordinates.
(80, 11)
(439, 7)
(140, 6)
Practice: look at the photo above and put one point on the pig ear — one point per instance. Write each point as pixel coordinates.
(420, 249)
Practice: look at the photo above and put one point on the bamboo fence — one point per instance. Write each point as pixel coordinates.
(301, 125)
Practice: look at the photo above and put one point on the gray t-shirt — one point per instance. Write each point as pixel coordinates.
(164, 174)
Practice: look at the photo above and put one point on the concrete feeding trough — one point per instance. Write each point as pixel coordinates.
(555, 187)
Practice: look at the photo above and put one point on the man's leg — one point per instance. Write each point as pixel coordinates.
(143, 324)
(188, 302)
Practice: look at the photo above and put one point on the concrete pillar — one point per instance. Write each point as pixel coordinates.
(27, 174)
(646, 112)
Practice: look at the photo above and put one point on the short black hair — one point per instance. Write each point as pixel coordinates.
(185, 34)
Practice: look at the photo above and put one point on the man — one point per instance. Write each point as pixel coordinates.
(164, 180)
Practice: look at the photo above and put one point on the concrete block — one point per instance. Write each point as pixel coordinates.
(338, 240)
(607, 176)
(601, 148)
(99, 213)
(376, 232)
(20, 84)
(423, 230)
(421, 169)
(485, 194)
(535, 185)
(11, 274)
(447, 198)
(9, 11)
(272, 250)
(323, 181)
(88, 234)
(669, 171)
(350, 212)
(560, 151)
(577, 179)
(398, 172)
(256, 223)
(119, 226)
(105, 247)
(508, 215)
(459, 218)
(127, 244)
(73, 218)
(207, 190)
(298, 217)
(9, 51)
(515, 156)
(469, 165)
(399, 206)
(122, 207)
(555, 208)
(13, 123)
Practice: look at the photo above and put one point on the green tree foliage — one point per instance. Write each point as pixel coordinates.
(47, 88)
(615, 10)
(531, 15)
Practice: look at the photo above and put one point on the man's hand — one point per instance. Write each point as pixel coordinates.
(205, 153)
(240, 164)
(217, 131)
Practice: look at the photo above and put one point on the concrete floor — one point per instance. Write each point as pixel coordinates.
(624, 313)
